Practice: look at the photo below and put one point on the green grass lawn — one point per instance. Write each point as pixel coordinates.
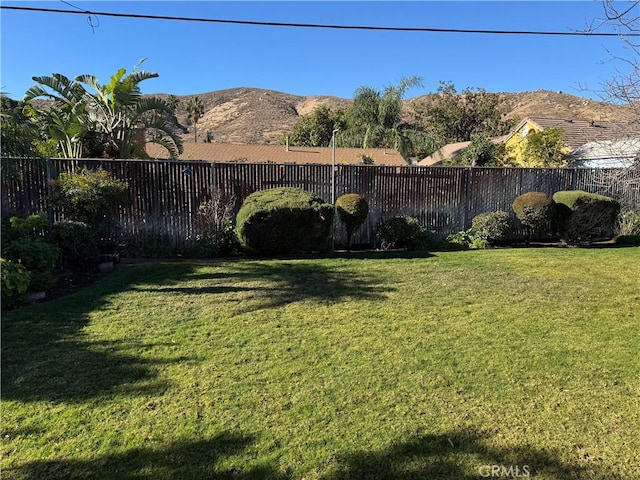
(350, 367)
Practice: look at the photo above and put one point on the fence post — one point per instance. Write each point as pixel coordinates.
(468, 192)
(49, 193)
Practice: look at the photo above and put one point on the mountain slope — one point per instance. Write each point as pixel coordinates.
(256, 116)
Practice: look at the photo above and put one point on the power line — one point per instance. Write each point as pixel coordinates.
(314, 25)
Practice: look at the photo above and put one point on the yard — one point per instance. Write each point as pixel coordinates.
(452, 365)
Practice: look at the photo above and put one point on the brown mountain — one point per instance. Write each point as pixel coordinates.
(251, 115)
(256, 116)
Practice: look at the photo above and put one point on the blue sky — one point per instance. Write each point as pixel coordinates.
(194, 58)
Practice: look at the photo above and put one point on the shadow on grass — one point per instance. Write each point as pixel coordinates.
(271, 284)
(460, 455)
(47, 356)
(193, 460)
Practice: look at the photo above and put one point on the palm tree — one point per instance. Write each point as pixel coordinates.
(118, 109)
(66, 120)
(173, 102)
(108, 117)
(377, 119)
(195, 111)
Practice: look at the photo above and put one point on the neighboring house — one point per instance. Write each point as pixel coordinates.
(607, 154)
(577, 134)
(216, 152)
(449, 152)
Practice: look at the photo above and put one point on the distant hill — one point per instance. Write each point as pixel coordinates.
(251, 115)
(256, 116)
(546, 104)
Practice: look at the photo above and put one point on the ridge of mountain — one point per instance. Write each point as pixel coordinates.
(258, 116)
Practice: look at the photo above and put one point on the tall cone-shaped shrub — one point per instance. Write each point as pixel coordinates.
(352, 210)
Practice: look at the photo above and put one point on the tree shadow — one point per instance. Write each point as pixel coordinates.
(270, 284)
(460, 455)
(193, 460)
(300, 281)
(47, 356)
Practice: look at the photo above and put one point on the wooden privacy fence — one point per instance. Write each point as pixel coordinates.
(164, 196)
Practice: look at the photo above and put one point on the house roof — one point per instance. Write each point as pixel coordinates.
(607, 154)
(580, 132)
(444, 153)
(451, 150)
(218, 152)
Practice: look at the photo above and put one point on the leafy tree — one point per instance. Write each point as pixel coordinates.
(316, 129)
(195, 111)
(17, 134)
(455, 117)
(482, 151)
(103, 122)
(540, 149)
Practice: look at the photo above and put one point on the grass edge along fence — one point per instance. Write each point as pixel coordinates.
(164, 195)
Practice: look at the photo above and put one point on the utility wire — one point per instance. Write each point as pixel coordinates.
(314, 25)
(89, 19)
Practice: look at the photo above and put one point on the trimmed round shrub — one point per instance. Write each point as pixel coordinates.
(400, 232)
(494, 227)
(15, 281)
(284, 220)
(584, 216)
(39, 258)
(536, 211)
(77, 243)
(352, 210)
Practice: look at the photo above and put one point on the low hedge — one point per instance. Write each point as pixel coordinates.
(493, 227)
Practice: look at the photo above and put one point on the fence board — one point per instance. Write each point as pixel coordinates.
(164, 196)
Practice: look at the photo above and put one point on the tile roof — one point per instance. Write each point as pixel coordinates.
(580, 132)
(451, 150)
(217, 152)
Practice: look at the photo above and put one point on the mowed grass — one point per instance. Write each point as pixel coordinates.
(372, 366)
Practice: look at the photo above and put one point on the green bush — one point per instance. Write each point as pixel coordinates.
(352, 210)
(536, 211)
(88, 195)
(284, 220)
(33, 225)
(493, 227)
(77, 243)
(459, 240)
(402, 232)
(39, 258)
(585, 216)
(15, 281)
(15, 228)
